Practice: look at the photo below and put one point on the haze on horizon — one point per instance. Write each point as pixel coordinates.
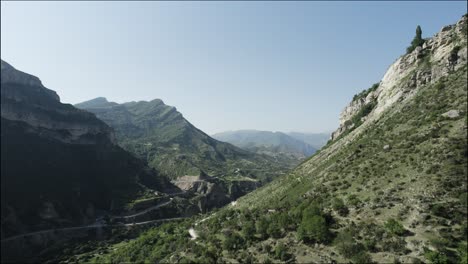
(274, 66)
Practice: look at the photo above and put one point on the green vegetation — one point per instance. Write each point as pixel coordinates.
(364, 93)
(314, 226)
(394, 227)
(339, 206)
(417, 41)
(350, 248)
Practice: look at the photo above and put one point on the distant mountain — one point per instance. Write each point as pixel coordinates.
(267, 142)
(316, 140)
(60, 165)
(160, 134)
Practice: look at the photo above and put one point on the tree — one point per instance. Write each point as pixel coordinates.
(314, 226)
(314, 229)
(417, 40)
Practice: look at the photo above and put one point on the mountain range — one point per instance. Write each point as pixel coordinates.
(275, 144)
(160, 135)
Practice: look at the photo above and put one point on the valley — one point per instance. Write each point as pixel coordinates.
(137, 182)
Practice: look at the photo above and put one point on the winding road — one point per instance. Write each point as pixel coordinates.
(90, 227)
(144, 211)
(100, 225)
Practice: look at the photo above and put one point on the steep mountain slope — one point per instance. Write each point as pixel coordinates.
(391, 187)
(275, 144)
(316, 140)
(60, 165)
(161, 135)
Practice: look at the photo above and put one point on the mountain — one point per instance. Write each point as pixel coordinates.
(60, 166)
(160, 134)
(275, 144)
(390, 187)
(316, 140)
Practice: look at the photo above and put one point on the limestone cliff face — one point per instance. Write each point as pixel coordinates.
(25, 99)
(445, 52)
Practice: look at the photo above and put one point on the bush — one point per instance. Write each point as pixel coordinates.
(274, 230)
(361, 257)
(463, 253)
(436, 257)
(280, 252)
(394, 227)
(248, 230)
(339, 206)
(347, 245)
(233, 241)
(261, 227)
(353, 200)
(314, 229)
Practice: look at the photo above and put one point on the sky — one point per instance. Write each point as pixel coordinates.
(279, 66)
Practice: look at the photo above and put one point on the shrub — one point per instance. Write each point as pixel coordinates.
(248, 230)
(439, 210)
(339, 206)
(347, 245)
(261, 227)
(353, 200)
(394, 227)
(361, 257)
(463, 253)
(436, 257)
(274, 230)
(280, 252)
(233, 241)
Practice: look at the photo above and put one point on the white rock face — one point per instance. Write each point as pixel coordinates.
(407, 74)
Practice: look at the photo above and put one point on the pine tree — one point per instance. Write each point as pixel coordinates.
(417, 40)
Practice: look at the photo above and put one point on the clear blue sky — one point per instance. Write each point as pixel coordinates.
(282, 66)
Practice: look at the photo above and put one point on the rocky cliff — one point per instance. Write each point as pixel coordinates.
(25, 99)
(439, 56)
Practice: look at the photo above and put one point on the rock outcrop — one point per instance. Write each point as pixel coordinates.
(440, 55)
